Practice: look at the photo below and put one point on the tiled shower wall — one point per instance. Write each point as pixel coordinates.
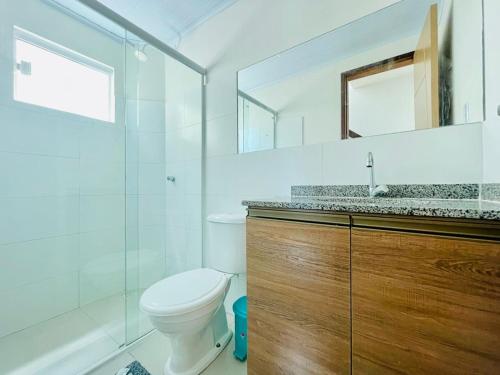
(184, 163)
(75, 193)
(62, 187)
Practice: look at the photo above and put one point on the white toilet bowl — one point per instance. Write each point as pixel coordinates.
(189, 309)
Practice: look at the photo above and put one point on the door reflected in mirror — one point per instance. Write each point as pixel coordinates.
(379, 93)
(417, 64)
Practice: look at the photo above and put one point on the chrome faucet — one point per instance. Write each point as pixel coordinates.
(374, 190)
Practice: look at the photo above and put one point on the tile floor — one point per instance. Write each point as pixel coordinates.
(152, 351)
(74, 341)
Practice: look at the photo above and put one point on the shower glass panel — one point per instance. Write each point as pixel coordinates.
(62, 188)
(164, 132)
(146, 184)
(92, 121)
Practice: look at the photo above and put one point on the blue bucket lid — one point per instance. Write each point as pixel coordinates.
(240, 307)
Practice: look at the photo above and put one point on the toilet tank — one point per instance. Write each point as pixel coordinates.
(226, 245)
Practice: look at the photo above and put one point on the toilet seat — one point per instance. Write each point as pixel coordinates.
(183, 293)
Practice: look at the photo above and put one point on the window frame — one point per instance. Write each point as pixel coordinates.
(69, 54)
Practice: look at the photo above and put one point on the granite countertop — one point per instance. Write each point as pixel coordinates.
(465, 202)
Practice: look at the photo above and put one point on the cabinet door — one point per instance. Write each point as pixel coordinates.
(424, 304)
(298, 298)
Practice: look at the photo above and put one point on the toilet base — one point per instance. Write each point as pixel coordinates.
(204, 362)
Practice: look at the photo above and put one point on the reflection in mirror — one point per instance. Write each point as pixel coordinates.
(258, 124)
(261, 128)
(380, 93)
(417, 64)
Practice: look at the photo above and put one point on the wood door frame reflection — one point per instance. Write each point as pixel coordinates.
(365, 71)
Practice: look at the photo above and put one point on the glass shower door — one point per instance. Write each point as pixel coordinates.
(164, 139)
(145, 180)
(92, 121)
(62, 188)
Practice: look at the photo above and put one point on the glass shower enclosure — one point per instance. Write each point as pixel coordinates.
(94, 117)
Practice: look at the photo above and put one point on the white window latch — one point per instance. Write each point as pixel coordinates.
(24, 67)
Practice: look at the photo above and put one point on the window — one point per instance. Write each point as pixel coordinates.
(52, 76)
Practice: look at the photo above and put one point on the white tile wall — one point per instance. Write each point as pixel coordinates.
(101, 263)
(22, 132)
(151, 115)
(29, 218)
(222, 135)
(62, 213)
(25, 175)
(47, 297)
(184, 162)
(102, 211)
(452, 155)
(21, 262)
(101, 177)
(145, 190)
(70, 183)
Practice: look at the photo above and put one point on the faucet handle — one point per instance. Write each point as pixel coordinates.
(379, 190)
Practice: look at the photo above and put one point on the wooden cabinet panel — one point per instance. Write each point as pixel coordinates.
(424, 304)
(298, 298)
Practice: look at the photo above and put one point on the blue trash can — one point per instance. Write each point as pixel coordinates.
(240, 328)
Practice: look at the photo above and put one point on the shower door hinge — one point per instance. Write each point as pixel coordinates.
(205, 79)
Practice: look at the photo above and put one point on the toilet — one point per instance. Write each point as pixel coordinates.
(189, 308)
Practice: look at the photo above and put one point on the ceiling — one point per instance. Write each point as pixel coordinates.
(167, 20)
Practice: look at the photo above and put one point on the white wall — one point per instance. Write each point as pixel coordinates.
(467, 51)
(251, 30)
(491, 130)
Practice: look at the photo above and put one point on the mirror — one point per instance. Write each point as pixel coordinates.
(417, 64)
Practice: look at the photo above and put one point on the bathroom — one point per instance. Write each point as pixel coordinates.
(137, 139)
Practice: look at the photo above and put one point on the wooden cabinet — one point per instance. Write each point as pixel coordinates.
(298, 298)
(375, 295)
(424, 304)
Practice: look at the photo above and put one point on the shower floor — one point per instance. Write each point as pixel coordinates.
(69, 343)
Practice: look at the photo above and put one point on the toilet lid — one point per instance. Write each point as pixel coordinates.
(184, 292)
